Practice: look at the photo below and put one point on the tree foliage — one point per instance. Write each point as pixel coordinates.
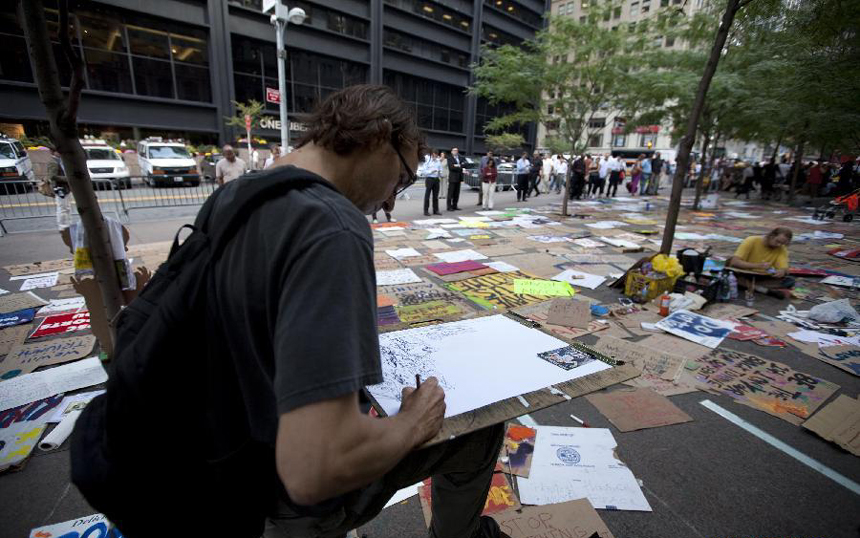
(505, 142)
(252, 108)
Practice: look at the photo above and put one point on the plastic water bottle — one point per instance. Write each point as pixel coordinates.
(733, 286)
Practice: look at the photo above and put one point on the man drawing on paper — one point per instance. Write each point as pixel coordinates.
(302, 337)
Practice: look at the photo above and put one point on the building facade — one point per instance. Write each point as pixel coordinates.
(174, 67)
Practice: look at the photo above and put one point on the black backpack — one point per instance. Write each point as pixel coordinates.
(139, 452)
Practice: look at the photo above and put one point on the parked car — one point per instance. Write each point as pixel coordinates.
(505, 180)
(166, 163)
(107, 169)
(16, 170)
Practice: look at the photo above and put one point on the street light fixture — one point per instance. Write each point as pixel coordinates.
(280, 19)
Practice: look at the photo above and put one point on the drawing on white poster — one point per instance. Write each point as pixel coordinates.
(504, 365)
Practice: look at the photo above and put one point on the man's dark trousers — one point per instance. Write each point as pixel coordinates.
(453, 200)
(431, 190)
(522, 186)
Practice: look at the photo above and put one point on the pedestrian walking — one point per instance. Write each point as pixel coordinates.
(615, 168)
(546, 174)
(230, 167)
(523, 170)
(602, 176)
(273, 156)
(484, 160)
(534, 174)
(455, 178)
(560, 175)
(443, 184)
(432, 177)
(488, 182)
(645, 179)
(577, 178)
(657, 166)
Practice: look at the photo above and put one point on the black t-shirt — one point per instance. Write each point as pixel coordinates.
(293, 301)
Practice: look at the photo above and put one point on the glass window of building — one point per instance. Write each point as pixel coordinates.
(148, 42)
(596, 140)
(619, 140)
(584, 4)
(664, 3)
(424, 48)
(616, 13)
(436, 12)
(438, 106)
(14, 62)
(634, 9)
(646, 6)
(153, 77)
(108, 71)
(103, 33)
(647, 140)
(522, 13)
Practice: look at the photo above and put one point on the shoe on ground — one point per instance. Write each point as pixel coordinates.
(392, 219)
(488, 528)
(426, 213)
(375, 221)
(437, 212)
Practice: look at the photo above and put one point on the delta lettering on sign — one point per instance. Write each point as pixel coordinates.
(63, 323)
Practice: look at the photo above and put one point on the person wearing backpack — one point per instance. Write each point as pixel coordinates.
(235, 404)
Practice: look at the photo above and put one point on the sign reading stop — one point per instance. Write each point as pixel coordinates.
(273, 95)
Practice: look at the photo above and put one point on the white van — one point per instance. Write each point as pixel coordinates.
(166, 163)
(16, 170)
(105, 165)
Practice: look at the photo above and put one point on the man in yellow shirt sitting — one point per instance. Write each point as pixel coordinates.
(768, 255)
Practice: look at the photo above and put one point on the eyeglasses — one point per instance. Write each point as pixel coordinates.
(411, 178)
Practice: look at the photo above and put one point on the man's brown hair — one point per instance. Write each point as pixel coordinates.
(780, 230)
(359, 117)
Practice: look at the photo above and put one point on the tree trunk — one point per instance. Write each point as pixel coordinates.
(798, 158)
(62, 115)
(567, 179)
(705, 143)
(683, 159)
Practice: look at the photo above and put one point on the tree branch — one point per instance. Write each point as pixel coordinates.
(77, 83)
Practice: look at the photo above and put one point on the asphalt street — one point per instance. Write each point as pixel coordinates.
(707, 478)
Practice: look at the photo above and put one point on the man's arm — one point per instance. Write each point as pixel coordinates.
(328, 448)
(219, 173)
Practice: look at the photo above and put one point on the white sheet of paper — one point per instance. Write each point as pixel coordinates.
(3, 292)
(27, 388)
(47, 280)
(605, 224)
(490, 213)
(437, 233)
(572, 463)
(396, 276)
(57, 306)
(578, 278)
(403, 494)
(459, 256)
(35, 275)
(837, 280)
(502, 267)
(619, 242)
(391, 232)
(433, 222)
(72, 402)
(824, 339)
(401, 253)
(504, 365)
(588, 243)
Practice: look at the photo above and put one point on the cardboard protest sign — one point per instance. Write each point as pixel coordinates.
(542, 287)
(845, 357)
(651, 360)
(94, 525)
(458, 267)
(728, 311)
(500, 498)
(427, 311)
(516, 454)
(13, 302)
(421, 292)
(27, 357)
(20, 317)
(496, 290)
(571, 519)
(11, 337)
(696, 328)
(539, 313)
(63, 306)
(38, 411)
(770, 386)
(839, 422)
(33, 282)
(637, 409)
(569, 313)
(62, 323)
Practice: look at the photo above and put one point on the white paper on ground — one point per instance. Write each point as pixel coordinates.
(505, 365)
(572, 463)
(71, 403)
(619, 242)
(437, 233)
(433, 222)
(605, 224)
(35, 275)
(38, 282)
(502, 267)
(392, 232)
(490, 213)
(459, 256)
(59, 306)
(588, 243)
(396, 276)
(3, 292)
(58, 435)
(580, 279)
(837, 280)
(27, 388)
(403, 494)
(824, 339)
(401, 253)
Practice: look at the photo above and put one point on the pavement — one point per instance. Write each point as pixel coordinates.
(707, 478)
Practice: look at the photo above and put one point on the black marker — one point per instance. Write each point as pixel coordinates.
(417, 381)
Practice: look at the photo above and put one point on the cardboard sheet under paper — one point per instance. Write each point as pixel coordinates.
(839, 422)
(539, 313)
(665, 365)
(27, 357)
(433, 310)
(845, 357)
(770, 386)
(637, 409)
(12, 302)
(572, 519)
(576, 463)
(503, 365)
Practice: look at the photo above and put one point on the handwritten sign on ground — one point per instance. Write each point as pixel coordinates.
(427, 311)
(31, 387)
(569, 313)
(637, 409)
(571, 519)
(696, 328)
(34, 282)
(728, 311)
(551, 288)
(539, 312)
(11, 337)
(27, 357)
(13, 302)
(62, 323)
(20, 317)
(770, 386)
(63, 306)
(844, 357)
(652, 360)
(839, 422)
(396, 276)
(496, 290)
(420, 292)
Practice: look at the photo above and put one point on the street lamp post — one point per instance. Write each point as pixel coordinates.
(280, 19)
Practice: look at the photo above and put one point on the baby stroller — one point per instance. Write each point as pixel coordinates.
(846, 205)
